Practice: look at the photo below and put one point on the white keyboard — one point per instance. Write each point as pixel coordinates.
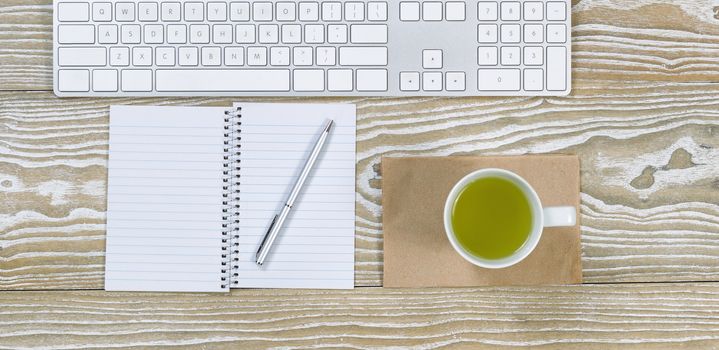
(311, 48)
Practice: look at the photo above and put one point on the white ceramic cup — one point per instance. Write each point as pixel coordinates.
(541, 218)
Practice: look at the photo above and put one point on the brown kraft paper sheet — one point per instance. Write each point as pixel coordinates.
(417, 252)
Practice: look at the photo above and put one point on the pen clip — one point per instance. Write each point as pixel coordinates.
(267, 234)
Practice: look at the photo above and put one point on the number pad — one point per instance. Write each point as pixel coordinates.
(487, 11)
(533, 56)
(510, 56)
(510, 11)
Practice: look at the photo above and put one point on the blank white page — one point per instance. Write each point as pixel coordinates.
(164, 199)
(315, 248)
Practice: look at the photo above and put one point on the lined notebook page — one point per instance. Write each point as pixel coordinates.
(164, 209)
(315, 249)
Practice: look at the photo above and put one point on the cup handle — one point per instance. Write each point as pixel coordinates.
(560, 216)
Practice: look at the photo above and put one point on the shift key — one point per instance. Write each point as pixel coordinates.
(82, 56)
(363, 56)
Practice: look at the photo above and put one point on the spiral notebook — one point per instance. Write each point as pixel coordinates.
(191, 191)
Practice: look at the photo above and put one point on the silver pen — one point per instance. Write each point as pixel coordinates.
(279, 219)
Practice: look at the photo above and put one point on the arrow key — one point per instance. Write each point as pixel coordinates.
(455, 81)
(409, 81)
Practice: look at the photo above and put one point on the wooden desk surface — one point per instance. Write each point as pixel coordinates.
(643, 117)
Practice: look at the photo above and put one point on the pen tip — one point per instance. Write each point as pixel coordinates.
(329, 125)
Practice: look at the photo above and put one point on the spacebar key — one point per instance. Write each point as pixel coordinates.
(223, 80)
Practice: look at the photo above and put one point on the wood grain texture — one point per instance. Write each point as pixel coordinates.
(647, 316)
(659, 224)
(643, 117)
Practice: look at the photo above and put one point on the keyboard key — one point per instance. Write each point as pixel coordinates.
(188, 56)
(194, 11)
(556, 11)
(124, 11)
(377, 11)
(280, 56)
(240, 11)
(432, 11)
(176, 34)
(291, 33)
(454, 11)
(309, 79)
(371, 80)
(409, 81)
(487, 11)
(314, 33)
(498, 79)
(211, 56)
(533, 56)
(339, 80)
(262, 11)
(142, 56)
(309, 11)
(154, 34)
(510, 33)
(533, 33)
(73, 80)
(104, 80)
(73, 12)
(245, 33)
(234, 56)
(286, 11)
(332, 11)
(432, 81)
(102, 12)
(363, 56)
(455, 81)
(409, 11)
(487, 56)
(170, 11)
(533, 11)
(119, 56)
(556, 33)
(337, 33)
(216, 11)
(81, 56)
(487, 33)
(222, 33)
(199, 34)
(302, 55)
(269, 34)
(368, 33)
(130, 34)
(511, 56)
(354, 11)
(556, 68)
(223, 80)
(147, 11)
(76, 34)
(431, 59)
(165, 56)
(136, 80)
(510, 11)
(256, 56)
(326, 56)
(533, 79)
(107, 34)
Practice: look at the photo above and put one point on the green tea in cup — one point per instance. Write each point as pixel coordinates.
(491, 218)
(494, 219)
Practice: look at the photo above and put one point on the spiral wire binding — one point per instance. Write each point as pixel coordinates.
(231, 198)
